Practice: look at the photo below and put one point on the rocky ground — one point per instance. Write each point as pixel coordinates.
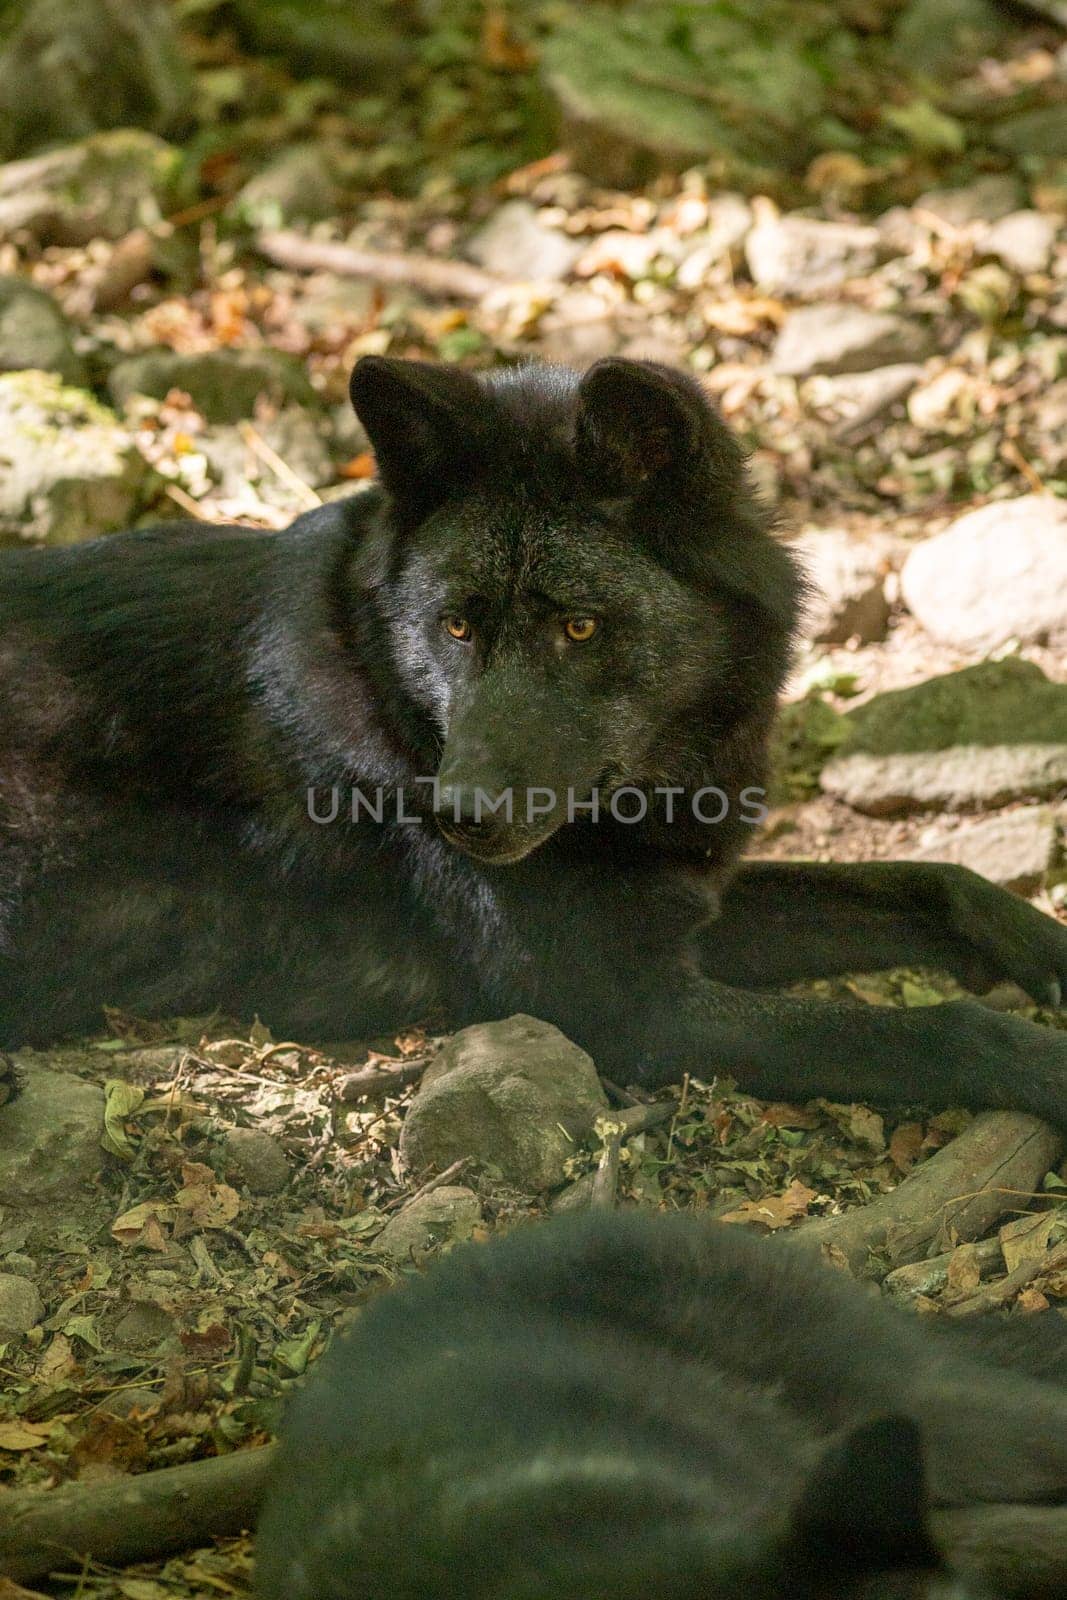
(188, 1207)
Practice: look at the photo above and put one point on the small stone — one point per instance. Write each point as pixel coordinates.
(102, 188)
(840, 338)
(860, 398)
(334, 305)
(224, 385)
(259, 1160)
(71, 471)
(21, 1307)
(144, 1326)
(801, 255)
(69, 66)
(729, 219)
(440, 1217)
(1014, 850)
(849, 576)
(1041, 133)
(982, 736)
(35, 333)
(49, 1139)
(125, 1401)
(297, 186)
(299, 437)
(1023, 241)
(998, 573)
(987, 199)
(516, 1096)
(516, 244)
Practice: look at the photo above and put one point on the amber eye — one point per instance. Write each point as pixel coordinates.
(579, 629)
(459, 628)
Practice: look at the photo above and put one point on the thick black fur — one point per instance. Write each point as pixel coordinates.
(631, 1407)
(168, 698)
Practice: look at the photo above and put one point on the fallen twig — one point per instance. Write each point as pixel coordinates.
(435, 1183)
(381, 1080)
(931, 1275)
(444, 280)
(992, 1295)
(957, 1195)
(603, 1193)
(131, 1519)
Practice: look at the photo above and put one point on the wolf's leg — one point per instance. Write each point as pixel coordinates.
(959, 1053)
(785, 921)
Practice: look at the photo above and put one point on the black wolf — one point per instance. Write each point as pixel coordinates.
(562, 594)
(626, 1407)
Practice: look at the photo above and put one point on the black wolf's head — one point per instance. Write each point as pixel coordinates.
(579, 586)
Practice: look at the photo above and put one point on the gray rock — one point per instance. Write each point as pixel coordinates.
(68, 67)
(840, 338)
(985, 200)
(996, 574)
(956, 779)
(102, 188)
(515, 1095)
(35, 333)
(1041, 133)
(1023, 241)
(859, 398)
(70, 470)
(849, 576)
(1014, 850)
(619, 89)
(258, 1160)
(979, 737)
(21, 1307)
(299, 437)
(800, 255)
(515, 243)
(333, 306)
(440, 1217)
(940, 36)
(223, 385)
(297, 186)
(123, 1402)
(49, 1139)
(144, 1326)
(359, 46)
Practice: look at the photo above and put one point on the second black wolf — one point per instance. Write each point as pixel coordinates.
(562, 589)
(628, 1407)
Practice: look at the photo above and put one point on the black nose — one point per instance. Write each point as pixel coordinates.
(466, 806)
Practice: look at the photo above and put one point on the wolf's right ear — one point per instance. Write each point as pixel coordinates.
(420, 421)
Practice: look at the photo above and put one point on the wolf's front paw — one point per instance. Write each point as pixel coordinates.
(1010, 938)
(10, 1081)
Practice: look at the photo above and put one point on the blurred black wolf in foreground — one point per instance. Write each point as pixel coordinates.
(559, 588)
(632, 1407)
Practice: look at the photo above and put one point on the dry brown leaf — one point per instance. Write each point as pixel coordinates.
(1031, 1300)
(143, 1225)
(24, 1435)
(963, 1274)
(905, 1145)
(1026, 1238)
(774, 1210)
(781, 1115)
(207, 1204)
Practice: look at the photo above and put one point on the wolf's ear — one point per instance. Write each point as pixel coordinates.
(637, 421)
(420, 420)
(866, 1503)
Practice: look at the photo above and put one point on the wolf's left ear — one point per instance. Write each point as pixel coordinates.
(637, 421)
(865, 1505)
(420, 420)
